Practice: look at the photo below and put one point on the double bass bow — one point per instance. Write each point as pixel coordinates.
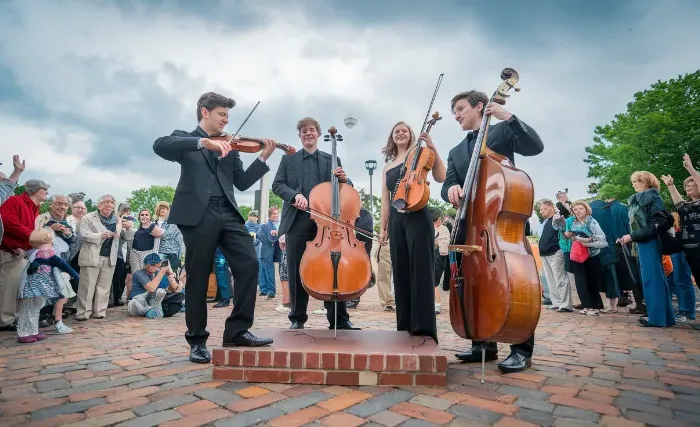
(412, 191)
(335, 265)
(495, 288)
(246, 144)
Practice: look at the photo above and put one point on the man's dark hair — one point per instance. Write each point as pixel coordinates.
(211, 100)
(473, 97)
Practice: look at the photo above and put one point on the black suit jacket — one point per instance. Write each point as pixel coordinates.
(197, 171)
(287, 183)
(505, 138)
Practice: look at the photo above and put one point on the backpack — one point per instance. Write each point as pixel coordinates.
(663, 222)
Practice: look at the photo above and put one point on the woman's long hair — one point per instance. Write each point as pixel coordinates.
(390, 151)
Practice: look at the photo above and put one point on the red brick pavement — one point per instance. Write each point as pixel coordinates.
(134, 372)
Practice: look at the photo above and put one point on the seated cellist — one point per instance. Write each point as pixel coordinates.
(509, 136)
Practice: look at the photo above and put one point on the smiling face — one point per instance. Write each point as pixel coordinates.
(214, 121)
(59, 207)
(145, 217)
(308, 134)
(691, 189)
(106, 207)
(468, 117)
(401, 135)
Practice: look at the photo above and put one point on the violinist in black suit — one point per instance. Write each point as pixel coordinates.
(297, 175)
(506, 138)
(206, 212)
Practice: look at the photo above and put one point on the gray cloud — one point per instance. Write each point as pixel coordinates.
(105, 80)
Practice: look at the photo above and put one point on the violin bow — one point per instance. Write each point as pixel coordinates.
(244, 122)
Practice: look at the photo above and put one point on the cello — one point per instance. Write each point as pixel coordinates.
(412, 191)
(335, 265)
(495, 288)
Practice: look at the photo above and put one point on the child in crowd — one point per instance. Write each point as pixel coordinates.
(442, 243)
(41, 282)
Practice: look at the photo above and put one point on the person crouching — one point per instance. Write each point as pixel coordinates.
(154, 290)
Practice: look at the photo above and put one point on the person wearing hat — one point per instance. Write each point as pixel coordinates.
(18, 214)
(154, 290)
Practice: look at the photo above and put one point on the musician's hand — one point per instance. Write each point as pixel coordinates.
(269, 148)
(340, 173)
(219, 146)
(455, 195)
(300, 202)
(428, 141)
(497, 111)
(624, 239)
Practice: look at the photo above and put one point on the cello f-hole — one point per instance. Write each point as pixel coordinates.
(490, 254)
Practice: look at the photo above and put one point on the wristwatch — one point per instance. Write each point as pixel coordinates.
(199, 144)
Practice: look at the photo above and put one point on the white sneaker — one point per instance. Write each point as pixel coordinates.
(282, 309)
(61, 328)
(320, 312)
(437, 308)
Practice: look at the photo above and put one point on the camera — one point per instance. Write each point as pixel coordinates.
(164, 263)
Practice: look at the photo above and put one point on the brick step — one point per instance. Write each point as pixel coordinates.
(311, 356)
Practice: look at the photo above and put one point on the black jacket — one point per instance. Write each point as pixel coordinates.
(197, 175)
(288, 182)
(505, 138)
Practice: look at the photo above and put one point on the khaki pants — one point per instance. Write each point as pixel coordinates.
(94, 288)
(557, 280)
(382, 259)
(11, 267)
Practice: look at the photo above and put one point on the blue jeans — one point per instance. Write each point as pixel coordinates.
(656, 292)
(681, 284)
(223, 282)
(266, 276)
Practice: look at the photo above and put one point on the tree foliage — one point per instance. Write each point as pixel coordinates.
(660, 125)
(147, 198)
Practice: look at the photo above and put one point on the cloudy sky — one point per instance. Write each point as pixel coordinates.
(87, 86)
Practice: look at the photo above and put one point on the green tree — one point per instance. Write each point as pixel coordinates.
(147, 198)
(660, 125)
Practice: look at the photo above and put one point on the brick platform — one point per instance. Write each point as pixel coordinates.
(354, 358)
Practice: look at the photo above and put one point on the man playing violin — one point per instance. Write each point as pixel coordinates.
(206, 212)
(506, 138)
(297, 175)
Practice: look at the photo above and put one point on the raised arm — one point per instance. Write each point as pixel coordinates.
(279, 185)
(243, 179)
(675, 195)
(172, 147)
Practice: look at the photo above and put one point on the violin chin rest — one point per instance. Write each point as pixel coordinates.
(399, 204)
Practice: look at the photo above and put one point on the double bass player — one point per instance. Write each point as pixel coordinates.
(506, 138)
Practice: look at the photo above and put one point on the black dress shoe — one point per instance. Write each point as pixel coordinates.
(247, 339)
(344, 325)
(211, 300)
(223, 303)
(9, 328)
(515, 362)
(297, 325)
(200, 354)
(474, 354)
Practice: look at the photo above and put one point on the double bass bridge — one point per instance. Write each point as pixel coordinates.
(465, 249)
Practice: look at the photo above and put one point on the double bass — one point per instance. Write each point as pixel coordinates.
(495, 288)
(335, 266)
(412, 191)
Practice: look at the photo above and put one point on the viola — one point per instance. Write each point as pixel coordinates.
(246, 144)
(412, 191)
(335, 266)
(495, 288)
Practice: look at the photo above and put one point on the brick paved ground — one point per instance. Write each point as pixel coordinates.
(134, 372)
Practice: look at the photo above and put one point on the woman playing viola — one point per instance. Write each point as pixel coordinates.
(411, 239)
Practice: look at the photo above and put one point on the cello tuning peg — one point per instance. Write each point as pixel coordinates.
(339, 137)
(326, 138)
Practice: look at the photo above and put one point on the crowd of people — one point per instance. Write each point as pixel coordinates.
(637, 253)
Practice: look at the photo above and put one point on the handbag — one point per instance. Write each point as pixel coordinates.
(663, 222)
(579, 253)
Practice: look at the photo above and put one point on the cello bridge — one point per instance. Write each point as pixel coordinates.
(465, 249)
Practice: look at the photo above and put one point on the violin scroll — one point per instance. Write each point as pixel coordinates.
(510, 78)
(435, 117)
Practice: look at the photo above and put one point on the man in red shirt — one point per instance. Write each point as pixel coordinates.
(18, 215)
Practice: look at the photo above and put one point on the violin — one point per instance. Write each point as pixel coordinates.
(246, 144)
(412, 191)
(335, 266)
(495, 288)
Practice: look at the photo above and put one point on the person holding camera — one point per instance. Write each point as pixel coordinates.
(155, 292)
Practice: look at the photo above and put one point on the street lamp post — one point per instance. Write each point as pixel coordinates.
(371, 165)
